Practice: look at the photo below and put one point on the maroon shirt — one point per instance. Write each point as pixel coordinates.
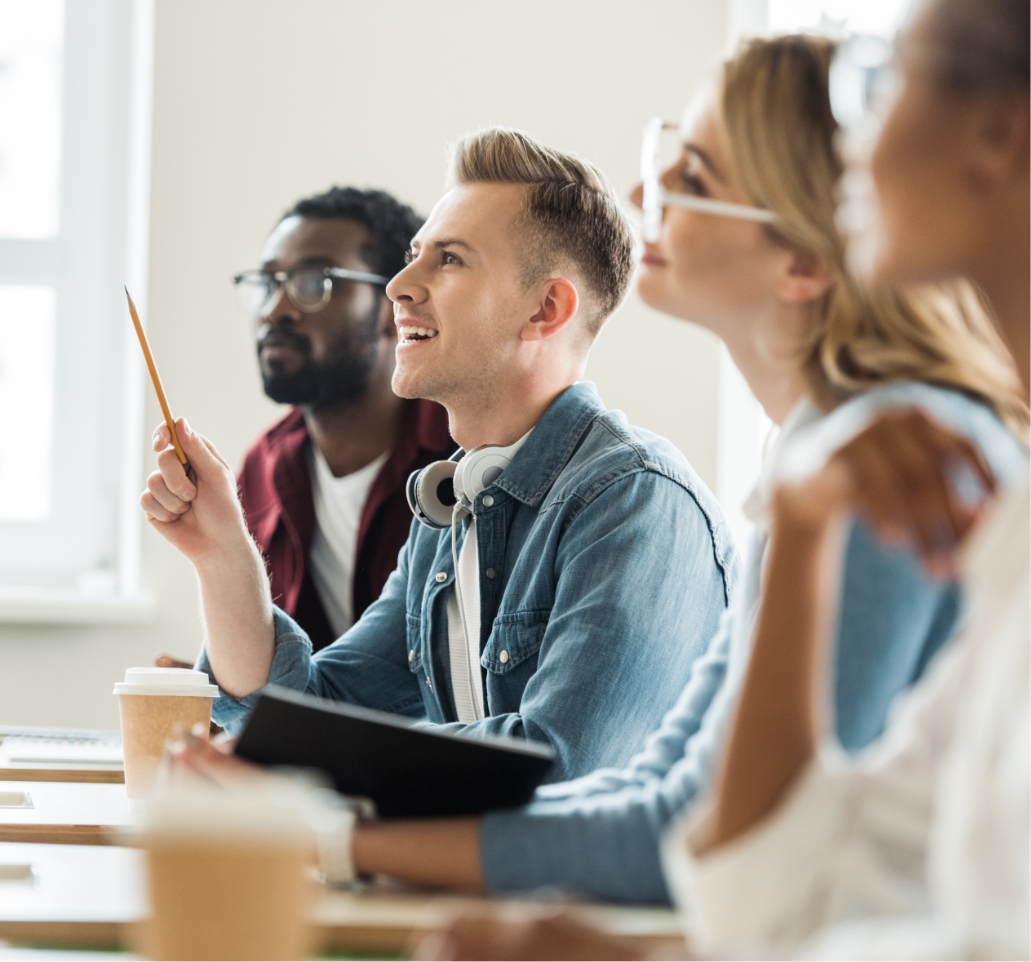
(276, 492)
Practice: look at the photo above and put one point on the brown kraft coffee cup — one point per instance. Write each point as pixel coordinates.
(230, 876)
(153, 703)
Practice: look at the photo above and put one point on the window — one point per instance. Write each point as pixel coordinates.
(855, 16)
(74, 129)
(30, 147)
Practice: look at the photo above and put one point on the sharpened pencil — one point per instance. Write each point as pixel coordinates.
(156, 378)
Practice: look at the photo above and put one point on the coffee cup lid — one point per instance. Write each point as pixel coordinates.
(166, 681)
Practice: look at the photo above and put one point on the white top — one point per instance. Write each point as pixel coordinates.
(469, 704)
(339, 503)
(918, 847)
(465, 654)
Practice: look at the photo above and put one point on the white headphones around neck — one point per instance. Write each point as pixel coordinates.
(442, 493)
(434, 490)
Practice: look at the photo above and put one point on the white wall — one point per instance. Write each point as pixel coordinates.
(259, 102)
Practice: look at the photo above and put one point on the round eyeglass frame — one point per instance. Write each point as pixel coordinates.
(655, 198)
(287, 280)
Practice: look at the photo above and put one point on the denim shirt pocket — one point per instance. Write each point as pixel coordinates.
(514, 639)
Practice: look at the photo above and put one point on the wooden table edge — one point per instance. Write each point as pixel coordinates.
(113, 935)
(60, 834)
(327, 938)
(366, 937)
(98, 776)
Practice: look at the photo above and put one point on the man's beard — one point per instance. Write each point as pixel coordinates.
(341, 377)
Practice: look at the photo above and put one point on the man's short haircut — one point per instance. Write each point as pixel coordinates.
(573, 219)
(391, 224)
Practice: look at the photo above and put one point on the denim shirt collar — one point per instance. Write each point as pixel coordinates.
(551, 444)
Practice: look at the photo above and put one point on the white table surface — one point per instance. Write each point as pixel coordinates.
(67, 803)
(84, 886)
(73, 883)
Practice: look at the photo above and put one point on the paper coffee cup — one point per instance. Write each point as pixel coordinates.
(153, 703)
(230, 874)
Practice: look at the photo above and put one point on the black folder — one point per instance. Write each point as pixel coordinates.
(406, 771)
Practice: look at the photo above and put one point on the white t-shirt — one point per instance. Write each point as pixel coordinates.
(338, 514)
(465, 661)
(468, 703)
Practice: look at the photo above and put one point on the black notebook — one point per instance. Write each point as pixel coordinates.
(406, 772)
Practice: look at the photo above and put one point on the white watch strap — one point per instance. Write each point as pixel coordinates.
(334, 833)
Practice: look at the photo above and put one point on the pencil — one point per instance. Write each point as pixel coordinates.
(155, 377)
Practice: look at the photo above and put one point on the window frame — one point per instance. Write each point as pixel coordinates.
(82, 564)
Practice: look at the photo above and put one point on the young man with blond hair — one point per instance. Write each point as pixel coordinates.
(591, 572)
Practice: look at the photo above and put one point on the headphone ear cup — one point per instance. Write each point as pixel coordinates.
(479, 469)
(431, 494)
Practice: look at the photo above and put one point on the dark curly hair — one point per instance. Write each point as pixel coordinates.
(391, 224)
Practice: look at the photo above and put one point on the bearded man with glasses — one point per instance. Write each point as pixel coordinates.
(323, 488)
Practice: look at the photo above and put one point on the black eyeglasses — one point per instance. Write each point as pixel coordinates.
(307, 288)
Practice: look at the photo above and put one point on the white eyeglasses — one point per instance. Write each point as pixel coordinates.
(655, 197)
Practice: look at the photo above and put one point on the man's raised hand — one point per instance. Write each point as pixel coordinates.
(194, 506)
(197, 509)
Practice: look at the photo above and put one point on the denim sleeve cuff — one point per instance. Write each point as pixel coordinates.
(610, 855)
(513, 859)
(290, 669)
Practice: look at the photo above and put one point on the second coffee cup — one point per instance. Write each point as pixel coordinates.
(230, 872)
(153, 703)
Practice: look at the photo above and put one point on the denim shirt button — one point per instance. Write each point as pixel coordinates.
(411, 656)
(503, 657)
(488, 501)
(490, 572)
(441, 577)
(429, 684)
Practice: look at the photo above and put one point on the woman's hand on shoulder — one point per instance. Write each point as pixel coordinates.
(918, 485)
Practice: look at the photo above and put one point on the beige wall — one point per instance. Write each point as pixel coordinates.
(258, 102)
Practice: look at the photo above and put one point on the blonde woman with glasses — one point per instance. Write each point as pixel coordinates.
(741, 239)
(919, 847)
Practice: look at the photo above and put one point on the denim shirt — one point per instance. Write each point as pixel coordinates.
(600, 835)
(605, 565)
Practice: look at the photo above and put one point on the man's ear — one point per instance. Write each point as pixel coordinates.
(806, 278)
(559, 302)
